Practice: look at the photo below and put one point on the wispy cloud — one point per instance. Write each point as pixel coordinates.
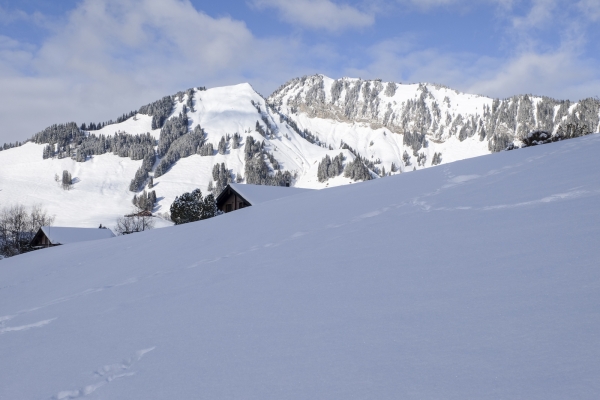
(319, 14)
(110, 56)
(562, 73)
(12, 16)
(590, 8)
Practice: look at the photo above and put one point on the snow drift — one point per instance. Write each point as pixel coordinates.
(473, 280)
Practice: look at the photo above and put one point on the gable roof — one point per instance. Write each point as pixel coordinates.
(257, 194)
(66, 235)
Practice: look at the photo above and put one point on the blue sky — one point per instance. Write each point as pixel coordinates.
(92, 60)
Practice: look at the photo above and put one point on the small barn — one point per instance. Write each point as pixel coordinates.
(236, 196)
(49, 236)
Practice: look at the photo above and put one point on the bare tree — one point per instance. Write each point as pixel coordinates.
(18, 225)
(133, 223)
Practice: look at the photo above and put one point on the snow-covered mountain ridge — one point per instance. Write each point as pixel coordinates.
(424, 114)
(206, 138)
(434, 110)
(230, 128)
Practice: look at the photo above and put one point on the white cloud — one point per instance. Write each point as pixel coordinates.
(11, 16)
(319, 14)
(540, 14)
(112, 56)
(428, 4)
(590, 8)
(562, 74)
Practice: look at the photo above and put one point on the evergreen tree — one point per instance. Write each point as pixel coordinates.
(159, 110)
(236, 140)
(206, 149)
(329, 168)
(406, 158)
(191, 207)
(67, 181)
(222, 148)
(357, 170)
(209, 207)
(187, 207)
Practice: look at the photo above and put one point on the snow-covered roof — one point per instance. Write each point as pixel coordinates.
(66, 235)
(256, 194)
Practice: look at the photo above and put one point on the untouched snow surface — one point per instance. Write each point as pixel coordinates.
(473, 280)
(256, 194)
(63, 235)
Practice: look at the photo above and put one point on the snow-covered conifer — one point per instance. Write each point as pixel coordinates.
(406, 158)
(356, 170)
(67, 180)
(222, 147)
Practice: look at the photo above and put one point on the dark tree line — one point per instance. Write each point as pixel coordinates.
(60, 137)
(121, 144)
(159, 110)
(184, 146)
(256, 170)
(368, 163)
(94, 127)
(190, 99)
(7, 146)
(437, 159)
(415, 140)
(145, 201)
(141, 175)
(330, 168)
(305, 134)
(357, 170)
(270, 128)
(221, 176)
(67, 140)
(206, 149)
(172, 130)
(569, 131)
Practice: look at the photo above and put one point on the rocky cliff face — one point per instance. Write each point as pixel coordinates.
(435, 111)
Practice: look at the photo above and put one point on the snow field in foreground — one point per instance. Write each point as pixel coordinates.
(472, 280)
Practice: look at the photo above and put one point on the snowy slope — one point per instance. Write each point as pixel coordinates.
(374, 118)
(101, 192)
(229, 110)
(472, 280)
(406, 126)
(257, 194)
